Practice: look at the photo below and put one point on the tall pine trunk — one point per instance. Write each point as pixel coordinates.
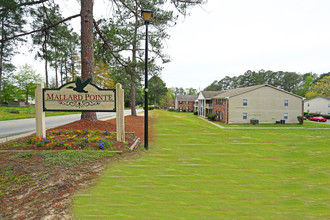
(87, 54)
(44, 47)
(1, 54)
(61, 71)
(56, 66)
(133, 70)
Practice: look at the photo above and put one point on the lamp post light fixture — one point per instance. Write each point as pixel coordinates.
(147, 15)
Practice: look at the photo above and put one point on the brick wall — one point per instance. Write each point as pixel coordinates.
(184, 106)
(220, 107)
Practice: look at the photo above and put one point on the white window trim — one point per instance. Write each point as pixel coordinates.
(286, 116)
(245, 102)
(245, 115)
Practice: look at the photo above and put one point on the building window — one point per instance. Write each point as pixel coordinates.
(187, 109)
(219, 101)
(187, 102)
(286, 102)
(328, 112)
(221, 115)
(244, 115)
(308, 105)
(285, 116)
(180, 109)
(308, 110)
(180, 102)
(329, 105)
(245, 102)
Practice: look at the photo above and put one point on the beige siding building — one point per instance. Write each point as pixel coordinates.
(320, 105)
(264, 103)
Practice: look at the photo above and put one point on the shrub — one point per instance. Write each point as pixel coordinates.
(300, 119)
(312, 115)
(195, 112)
(211, 116)
(171, 110)
(14, 111)
(326, 116)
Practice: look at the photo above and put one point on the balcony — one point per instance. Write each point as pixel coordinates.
(209, 106)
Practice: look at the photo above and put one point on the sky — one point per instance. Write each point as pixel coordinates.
(228, 37)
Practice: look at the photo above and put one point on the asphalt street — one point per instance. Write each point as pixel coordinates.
(17, 127)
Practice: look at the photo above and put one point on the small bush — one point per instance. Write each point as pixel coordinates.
(14, 111)
(211, 116)
(300, 119)
(195, 112)
(326, 116)
(171, 110)
(312, 115)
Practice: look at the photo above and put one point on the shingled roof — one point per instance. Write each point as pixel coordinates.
(233, 92)
(186, 98)
(211, 94)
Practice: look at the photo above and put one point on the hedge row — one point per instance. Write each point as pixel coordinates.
(308, 115)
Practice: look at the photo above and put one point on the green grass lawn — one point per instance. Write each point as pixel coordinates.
(195, 170)
(13, 113)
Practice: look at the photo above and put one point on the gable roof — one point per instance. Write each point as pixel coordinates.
(186, 97)
(327, 98)
(234, 92)
(211, 94)
(238, 91)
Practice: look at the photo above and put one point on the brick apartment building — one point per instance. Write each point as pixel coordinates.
(185, 103)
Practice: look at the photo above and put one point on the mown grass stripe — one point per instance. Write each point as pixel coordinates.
(279, 174)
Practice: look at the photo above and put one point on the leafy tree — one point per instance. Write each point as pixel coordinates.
(157, 89)
(26, 80)
(9, 90)
(191, 91)
(288, 81)
(126, 44)
(167, 100)
(102, 77)
(321, 88)
(308, 80)
(11, 22)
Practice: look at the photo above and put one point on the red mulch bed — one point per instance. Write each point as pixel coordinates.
(132, 124)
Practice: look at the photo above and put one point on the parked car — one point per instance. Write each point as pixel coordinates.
(321, 119)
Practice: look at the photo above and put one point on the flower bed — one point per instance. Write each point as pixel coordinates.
(72, 140)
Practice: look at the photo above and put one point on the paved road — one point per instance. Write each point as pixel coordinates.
(16, 127)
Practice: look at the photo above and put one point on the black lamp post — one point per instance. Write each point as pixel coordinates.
(147, 15)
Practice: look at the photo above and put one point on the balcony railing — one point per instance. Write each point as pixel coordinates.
(209, 106)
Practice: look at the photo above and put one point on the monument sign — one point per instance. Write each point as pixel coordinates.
(79, 96)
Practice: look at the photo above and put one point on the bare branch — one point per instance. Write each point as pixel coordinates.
(42, 29)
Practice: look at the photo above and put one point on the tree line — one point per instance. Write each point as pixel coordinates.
(109, 49)
(307, 85)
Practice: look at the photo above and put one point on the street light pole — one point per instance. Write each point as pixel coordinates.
(147, 15)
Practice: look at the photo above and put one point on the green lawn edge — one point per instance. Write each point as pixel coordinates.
(194, 170)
